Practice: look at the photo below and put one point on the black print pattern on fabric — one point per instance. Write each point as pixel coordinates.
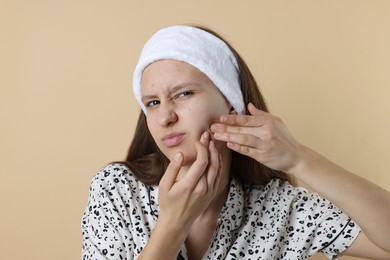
(276, 221)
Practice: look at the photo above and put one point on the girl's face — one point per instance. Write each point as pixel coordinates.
(181, 104)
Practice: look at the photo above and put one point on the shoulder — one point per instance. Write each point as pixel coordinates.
(116, 178)
(282, 195)
(274, 189)
(300, 217)
(115, 173)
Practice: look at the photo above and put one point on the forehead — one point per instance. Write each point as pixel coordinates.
(160, 67)
(166, 77)
(171, 73)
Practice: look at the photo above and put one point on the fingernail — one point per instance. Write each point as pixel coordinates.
(206, 135)
(214, 127)
(224, 119)
(177, 157)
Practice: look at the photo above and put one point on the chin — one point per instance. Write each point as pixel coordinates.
(189, 156)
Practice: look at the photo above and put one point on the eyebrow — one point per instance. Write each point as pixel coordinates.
(177, 88)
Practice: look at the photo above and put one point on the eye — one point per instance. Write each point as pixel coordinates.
(152, 103)
(185, 93)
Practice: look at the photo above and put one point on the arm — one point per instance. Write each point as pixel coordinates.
(104, 239)
(181, 202)
(365, 202)
(266, 139)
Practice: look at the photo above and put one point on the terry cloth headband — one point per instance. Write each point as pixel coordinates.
(199, 48)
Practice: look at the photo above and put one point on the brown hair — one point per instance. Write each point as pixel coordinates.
(148, 163)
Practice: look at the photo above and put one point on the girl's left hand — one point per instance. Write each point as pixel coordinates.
(262, 136)
(266, 139)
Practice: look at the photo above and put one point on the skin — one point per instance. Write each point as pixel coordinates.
(181, 99)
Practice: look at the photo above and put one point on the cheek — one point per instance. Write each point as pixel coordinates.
(152, 128)
(209, 115)
(218, 106)
(215, 113)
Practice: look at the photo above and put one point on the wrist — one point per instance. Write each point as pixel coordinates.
(304, 159)
(172, 230)
(165, 233)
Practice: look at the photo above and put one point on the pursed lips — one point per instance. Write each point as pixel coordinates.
(173, 139)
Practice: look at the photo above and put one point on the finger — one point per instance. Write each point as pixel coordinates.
(205, 138)
(219, 128)
(254, 111)
(256, 118)
(214, 165)
(242, 120)
(205, 183)
(241, 139)
(171, 172)
(245, 150)
(218, 177)
(198, 167)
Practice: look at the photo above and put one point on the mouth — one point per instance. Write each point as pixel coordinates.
(171, 140)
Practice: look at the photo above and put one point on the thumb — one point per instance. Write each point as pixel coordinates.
(254, 111)
(171, 172)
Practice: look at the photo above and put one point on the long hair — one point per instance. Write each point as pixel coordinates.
(148, 163)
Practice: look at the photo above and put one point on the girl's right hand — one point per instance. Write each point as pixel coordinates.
(182, 201)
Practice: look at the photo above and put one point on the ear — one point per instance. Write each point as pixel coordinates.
(232, 111)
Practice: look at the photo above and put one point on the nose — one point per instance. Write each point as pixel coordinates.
(167, 114)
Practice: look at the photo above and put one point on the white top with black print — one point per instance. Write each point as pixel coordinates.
(276, 221)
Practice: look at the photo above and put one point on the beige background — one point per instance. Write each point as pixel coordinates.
(67, 108)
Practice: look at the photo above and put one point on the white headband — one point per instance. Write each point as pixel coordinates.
(199, 48)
